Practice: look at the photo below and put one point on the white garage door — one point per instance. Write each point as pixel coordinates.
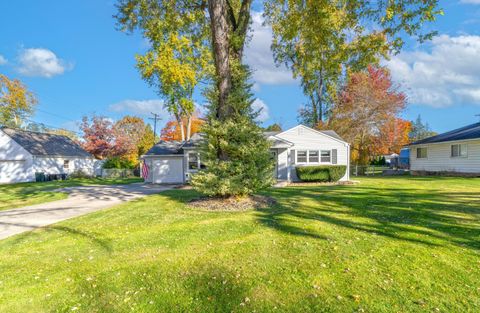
(168, 170)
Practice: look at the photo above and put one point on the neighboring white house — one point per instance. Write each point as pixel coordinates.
(457, 151)
(174, 162)
(24, 153)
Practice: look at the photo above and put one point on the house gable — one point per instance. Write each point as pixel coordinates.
(10, 150)
(304, 137)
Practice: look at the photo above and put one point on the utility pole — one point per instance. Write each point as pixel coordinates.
(156, 117)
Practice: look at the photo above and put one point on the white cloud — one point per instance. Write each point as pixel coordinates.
(260, 58)
(140, 107)
(41, 62)
(259, 105)
(446, 75)
(3, 60)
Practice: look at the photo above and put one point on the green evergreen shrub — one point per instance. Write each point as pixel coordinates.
(234, 150)
(321, 173)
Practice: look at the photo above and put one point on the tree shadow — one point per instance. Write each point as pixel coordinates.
(430, 217)
(95, 238)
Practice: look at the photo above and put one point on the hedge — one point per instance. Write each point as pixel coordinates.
(321, 173)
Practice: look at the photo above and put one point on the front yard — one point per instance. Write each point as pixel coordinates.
(386, 245)
(23, 194)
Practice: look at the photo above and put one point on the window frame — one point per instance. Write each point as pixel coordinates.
(197, 155)
(318, 157)
(460, 150)
(420, 157)
(306, 157)
(66, 164)
(329, 156)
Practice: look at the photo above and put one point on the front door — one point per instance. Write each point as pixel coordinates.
(274, 155)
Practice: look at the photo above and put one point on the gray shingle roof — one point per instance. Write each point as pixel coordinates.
(331, 133)
(468, 132)
(166, 148)
(43, 144)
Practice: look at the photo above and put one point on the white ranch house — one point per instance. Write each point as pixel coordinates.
(174, 162)
(24, 153)
(457, 151)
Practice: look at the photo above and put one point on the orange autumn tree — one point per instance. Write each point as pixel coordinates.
(366, 114)
(172, 130)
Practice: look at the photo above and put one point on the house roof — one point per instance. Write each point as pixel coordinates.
(166, 148)
(43, 144)
(176, 147)
(465, 133)
(331, 133)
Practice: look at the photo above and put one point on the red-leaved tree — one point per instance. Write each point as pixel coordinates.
(98, 136)
(366, 114)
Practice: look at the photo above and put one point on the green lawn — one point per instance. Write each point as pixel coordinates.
(22, 194)
(386, 245)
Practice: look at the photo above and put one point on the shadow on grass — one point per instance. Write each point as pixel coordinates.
(199, 288)
(431, 217)
(91, 236)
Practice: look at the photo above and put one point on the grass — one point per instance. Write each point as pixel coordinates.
(401, 244)
(23, 194)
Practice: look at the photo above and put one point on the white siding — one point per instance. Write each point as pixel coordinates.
(439, 158)
(282, 159)
(15, 162)
(54, 165)
(305, 138)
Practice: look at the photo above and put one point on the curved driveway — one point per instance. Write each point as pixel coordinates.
(81, 200)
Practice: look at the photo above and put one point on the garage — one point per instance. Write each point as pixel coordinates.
(167, 170)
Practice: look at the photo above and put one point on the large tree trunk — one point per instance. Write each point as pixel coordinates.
(218, 11)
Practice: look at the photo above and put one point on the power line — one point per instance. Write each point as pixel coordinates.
(155, 118)
(56, 115)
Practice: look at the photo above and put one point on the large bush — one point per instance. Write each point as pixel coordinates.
(321, 173)
(119, 163)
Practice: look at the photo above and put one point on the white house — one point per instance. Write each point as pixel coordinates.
(174, 162)
(24, 153)
(457, 151)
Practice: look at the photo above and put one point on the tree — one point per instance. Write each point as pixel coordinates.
(367, 106)
(274, 128)
(420, 130)
(227, 23)
(322, 40)
(98, 136)
(392, 136)
(172, 130)
(147, 140)
(16, 102)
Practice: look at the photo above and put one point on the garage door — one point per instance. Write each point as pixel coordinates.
(168, 170)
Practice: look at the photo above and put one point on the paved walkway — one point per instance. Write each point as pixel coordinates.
(82, 200)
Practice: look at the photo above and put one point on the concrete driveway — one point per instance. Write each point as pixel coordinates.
(81, 200)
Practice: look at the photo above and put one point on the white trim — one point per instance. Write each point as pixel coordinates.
(459, 156)
(441, 142)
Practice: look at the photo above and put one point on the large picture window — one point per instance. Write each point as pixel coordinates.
(459, 151)
(421, 153)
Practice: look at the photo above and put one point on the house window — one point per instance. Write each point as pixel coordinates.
(66, 164)
(325, 156)
(193, 161)
(459, 151)
(302, 156)
(421, 153)
(312, 156)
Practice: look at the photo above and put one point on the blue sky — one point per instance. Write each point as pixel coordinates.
(75, 61)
